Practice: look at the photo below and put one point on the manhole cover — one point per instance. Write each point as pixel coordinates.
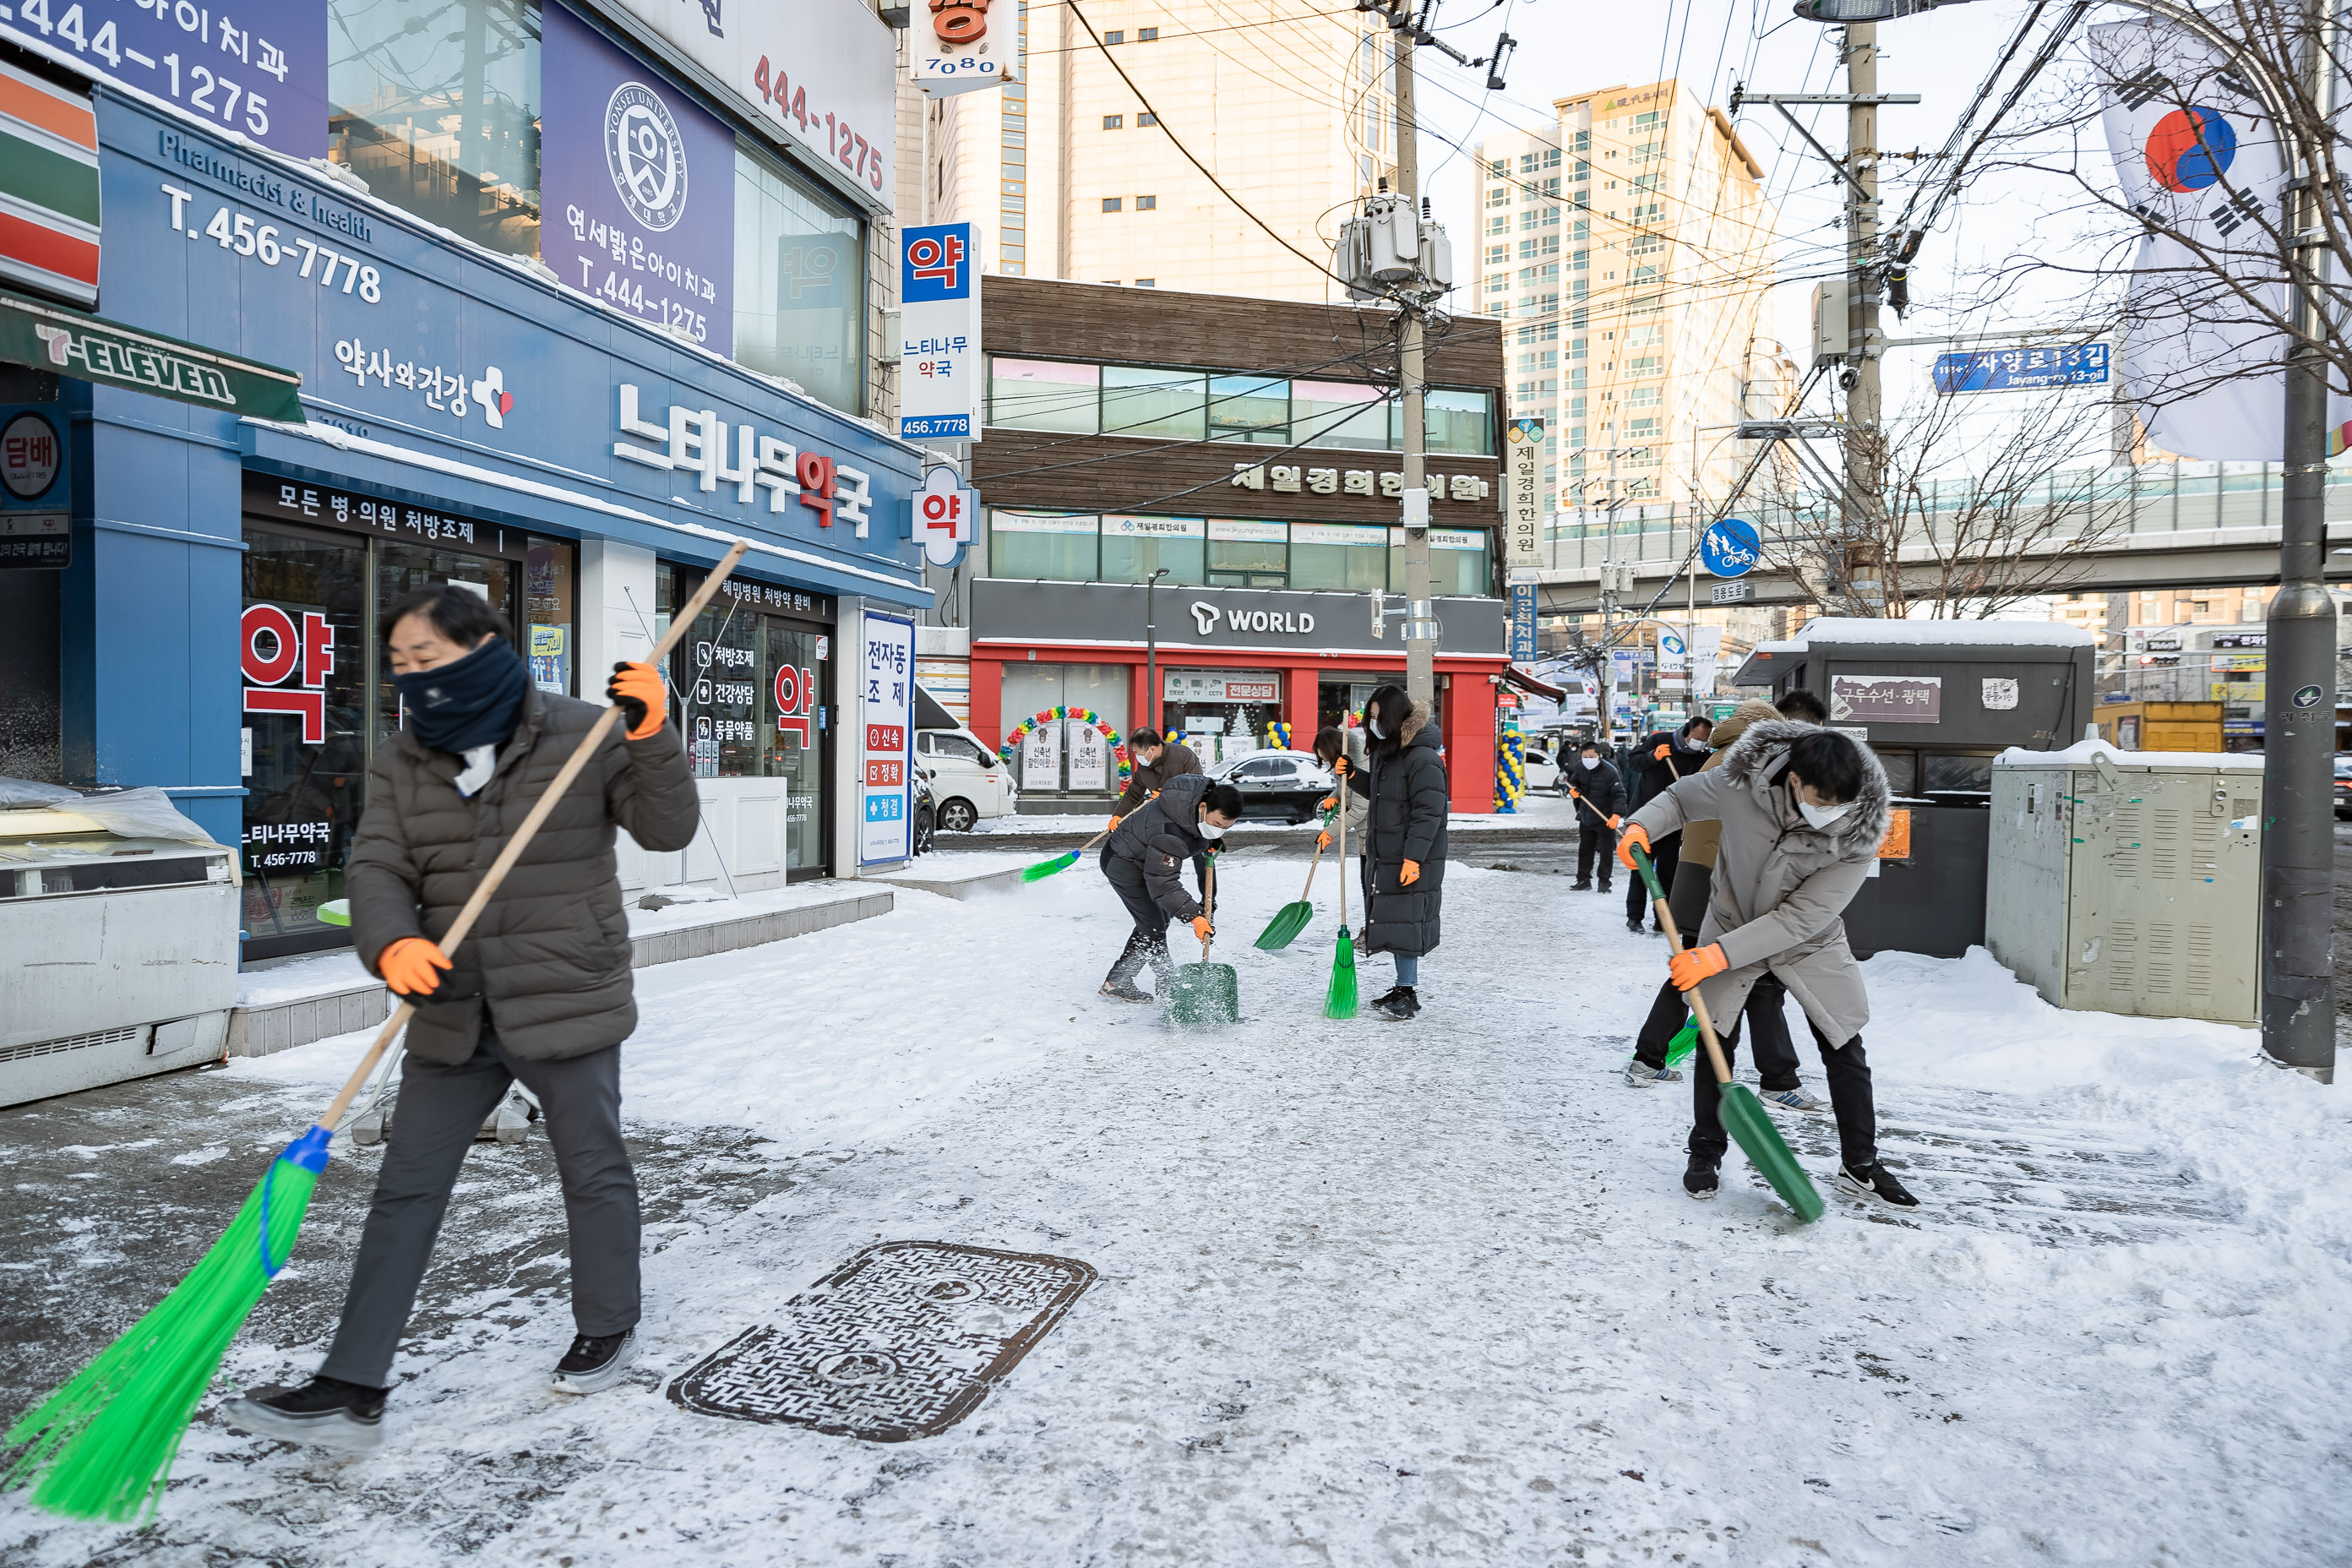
(903, 1340)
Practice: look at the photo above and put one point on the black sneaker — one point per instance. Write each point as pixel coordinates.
(1399, 1006)
(326, 1412)
(1699, 1179)
(1125, 990)
(1634, 925)
(595, 1362)
(1583, 887)
(1874, 1180)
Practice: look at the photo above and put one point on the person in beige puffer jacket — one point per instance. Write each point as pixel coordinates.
(1775, 1054)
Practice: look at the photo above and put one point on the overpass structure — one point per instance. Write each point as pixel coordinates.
(2182, 525)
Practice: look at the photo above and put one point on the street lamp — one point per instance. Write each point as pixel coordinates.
(1150, 655)
(1841, 11)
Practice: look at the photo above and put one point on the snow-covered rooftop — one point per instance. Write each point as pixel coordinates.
(2091, 750)
(1969, 634)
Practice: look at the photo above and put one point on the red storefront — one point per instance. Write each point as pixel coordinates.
(1229, 660)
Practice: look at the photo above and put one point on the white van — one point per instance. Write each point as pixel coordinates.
(967, 780)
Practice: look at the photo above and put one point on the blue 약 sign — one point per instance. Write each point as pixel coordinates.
(1730, 549)
(258, 68)
(1523, 623)
(2022, 369)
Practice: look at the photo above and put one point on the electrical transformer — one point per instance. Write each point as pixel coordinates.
(2129, 881)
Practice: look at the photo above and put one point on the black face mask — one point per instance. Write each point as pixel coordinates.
(468, 702)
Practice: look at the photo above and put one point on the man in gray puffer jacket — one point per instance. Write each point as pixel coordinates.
(540, 991)
(1802, 811)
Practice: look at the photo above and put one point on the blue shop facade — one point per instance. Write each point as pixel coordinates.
(473, 417)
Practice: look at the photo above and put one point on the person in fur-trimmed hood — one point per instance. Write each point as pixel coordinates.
(1802, 811)
(1405, 805)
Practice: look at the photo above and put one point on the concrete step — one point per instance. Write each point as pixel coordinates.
(296, 1011)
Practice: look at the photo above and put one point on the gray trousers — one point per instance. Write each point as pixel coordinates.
(433, 1125)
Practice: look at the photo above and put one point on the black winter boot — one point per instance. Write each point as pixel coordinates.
(1399, 1006)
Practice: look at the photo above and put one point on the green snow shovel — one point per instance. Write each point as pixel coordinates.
(1291, 918)
(1204, 994)
(1679, 1048)
(1743, 1114)
(1339, 999)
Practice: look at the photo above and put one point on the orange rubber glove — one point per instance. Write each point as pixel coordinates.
(1412, 874)
(1694, 964)
(1660, 754)
(1322, 841)
(407, 966)
(1633, 833)
(637, 690)
(1616, 821)
(1328, 803)
(1201, 928)
(1112, 825)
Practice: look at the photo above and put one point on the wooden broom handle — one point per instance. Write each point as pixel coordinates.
(1209, 891)
(1698, 1004)
(680, 624)
(1343, 849)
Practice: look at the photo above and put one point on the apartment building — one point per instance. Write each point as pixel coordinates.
(1067, 174)
(1628, 248)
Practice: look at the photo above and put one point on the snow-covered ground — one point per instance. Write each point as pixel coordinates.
(1375, 1293)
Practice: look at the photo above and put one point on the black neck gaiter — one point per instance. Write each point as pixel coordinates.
(468, 702)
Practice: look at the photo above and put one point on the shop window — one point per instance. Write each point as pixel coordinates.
(1457, 561)
(1248, 554)
(1249, 408)
(1056, 546)
(306, 662)
(550, 628)
(1045, 395)
(1142, 400)
(436, 104)
(1133, 548)
(800, 283)
(1065, 756)
(1339, 414)
(1338, 555)
(31, 727)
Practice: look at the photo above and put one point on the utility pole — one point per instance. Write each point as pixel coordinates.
(1865, 452)
(2299, 727)
(1420, 618)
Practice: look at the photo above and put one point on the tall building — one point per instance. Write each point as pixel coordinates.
(1629, 247)
(1067, 175)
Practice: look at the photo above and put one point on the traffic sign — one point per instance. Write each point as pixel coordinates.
(1730, 549)
(1732, 593)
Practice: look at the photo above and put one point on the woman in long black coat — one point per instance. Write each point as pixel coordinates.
(1403, 783)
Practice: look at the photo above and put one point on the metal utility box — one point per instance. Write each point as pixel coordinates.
(1937, 701)
(2161, 726)
(2130, 881)
(117, 954)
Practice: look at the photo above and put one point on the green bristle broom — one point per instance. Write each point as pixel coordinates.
(1339, 999)
(1064, 861)
(101, 1447)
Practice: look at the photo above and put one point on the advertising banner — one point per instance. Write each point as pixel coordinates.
(1523, 623)
(1887, 699)
(637, 186)
(885, 822)
(822, 74)
(1041, 758)
(257, 67)
(1523, 509)
(939, 321)
(1089, 755)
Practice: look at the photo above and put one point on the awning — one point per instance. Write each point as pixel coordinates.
(72, 343)
(1519, 678)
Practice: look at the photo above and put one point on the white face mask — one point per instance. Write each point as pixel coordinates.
(1821, 815)
(1592, 762)
(1374, 726)
(1210, 830)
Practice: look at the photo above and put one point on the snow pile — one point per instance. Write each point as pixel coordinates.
(2091, 749)
(1838, 630)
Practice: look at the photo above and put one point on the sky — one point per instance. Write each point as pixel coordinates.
(1568, 46)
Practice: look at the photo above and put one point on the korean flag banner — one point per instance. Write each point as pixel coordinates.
(2199, 157)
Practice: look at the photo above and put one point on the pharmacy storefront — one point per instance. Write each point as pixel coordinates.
(1230, 662)
(471, 419)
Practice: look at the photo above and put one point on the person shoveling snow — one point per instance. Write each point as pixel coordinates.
(1145, 860)
(1803, 812)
